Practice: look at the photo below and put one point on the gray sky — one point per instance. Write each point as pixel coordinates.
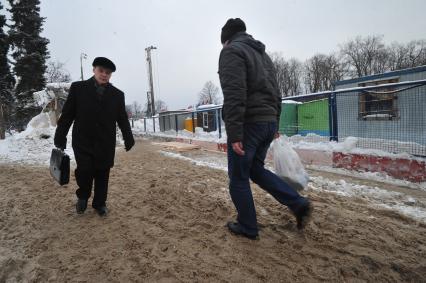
(187, 34)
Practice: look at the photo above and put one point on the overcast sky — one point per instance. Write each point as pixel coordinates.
(187, 35)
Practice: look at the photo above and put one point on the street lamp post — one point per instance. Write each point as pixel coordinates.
(82, 56)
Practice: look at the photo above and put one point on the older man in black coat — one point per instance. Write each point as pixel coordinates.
(95, 106)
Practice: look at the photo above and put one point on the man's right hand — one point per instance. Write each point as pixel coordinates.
(59, 142)
(129, 144)
(238, 148)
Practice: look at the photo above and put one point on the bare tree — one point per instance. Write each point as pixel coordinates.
(209, 94)
(365, 55)
(321, 71)
(288, 75)
(135, 110)
(408, 55)
(160, 106)
(56, 72)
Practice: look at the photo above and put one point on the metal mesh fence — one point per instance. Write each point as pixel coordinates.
(390, 118)
(387, 117)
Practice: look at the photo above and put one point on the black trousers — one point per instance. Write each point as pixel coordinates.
(85, 180)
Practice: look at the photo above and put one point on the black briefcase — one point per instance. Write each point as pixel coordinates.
(60, 166)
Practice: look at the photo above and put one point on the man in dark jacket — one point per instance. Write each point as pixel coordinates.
(95, 106)
(251, 111)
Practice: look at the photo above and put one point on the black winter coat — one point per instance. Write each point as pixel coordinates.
(95, 117)
(249, 85)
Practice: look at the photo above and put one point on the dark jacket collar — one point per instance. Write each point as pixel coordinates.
(247, 39)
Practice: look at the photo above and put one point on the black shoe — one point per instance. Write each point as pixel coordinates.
(81, 205)
(236, 228)
(102, 210)
(303, 215)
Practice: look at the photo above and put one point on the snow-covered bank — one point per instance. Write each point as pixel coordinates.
(34, 145)
(140, 126)
(400, 202)
(350, 145)
(403, 203)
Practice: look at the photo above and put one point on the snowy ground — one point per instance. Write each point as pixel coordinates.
(34, 145)
(146, 128)
(167, 224)
(407, 198)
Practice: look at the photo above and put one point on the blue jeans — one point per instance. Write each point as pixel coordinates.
(257, 138)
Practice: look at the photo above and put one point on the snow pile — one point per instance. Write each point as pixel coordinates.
(199, 134)
(52, 90)
(403, 203)
(374, 176)
(146, 127)
(34, 145)
(208, 106)
(353, 145)
(199, 162)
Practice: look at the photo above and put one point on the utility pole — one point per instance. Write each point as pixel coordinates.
(150, 78)
(148, 99)
(82, 56)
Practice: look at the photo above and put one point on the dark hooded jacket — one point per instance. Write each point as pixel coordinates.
(249, 85)
(95, 112)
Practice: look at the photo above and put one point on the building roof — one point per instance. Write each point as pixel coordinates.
(383, 75)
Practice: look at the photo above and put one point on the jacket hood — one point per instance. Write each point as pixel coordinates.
(246, 38)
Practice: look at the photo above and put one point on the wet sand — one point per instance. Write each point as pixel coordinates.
(166, 224)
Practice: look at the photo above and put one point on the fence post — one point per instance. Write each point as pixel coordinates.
(153, 122)
(164, 122)
(333, 117)
(176, 124)
(133, 124)
(2, 127)
(219, 122)
(144, 124)
(335, 121)
(330, 116)
(193, 124)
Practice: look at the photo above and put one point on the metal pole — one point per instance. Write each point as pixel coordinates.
(176, 124)
(335, 127)
(151, 80)
(2, 128)
(144, 124)
(82, 56)
(330, 116)
(153, 123)
(164, 122)
(193, 123)
(219, 122)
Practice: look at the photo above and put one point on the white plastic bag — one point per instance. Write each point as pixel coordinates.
(288, 165)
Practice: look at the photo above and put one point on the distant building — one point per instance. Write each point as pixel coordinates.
(393, 113)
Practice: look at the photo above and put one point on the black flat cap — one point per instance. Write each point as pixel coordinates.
(231, 27)
(104, 62)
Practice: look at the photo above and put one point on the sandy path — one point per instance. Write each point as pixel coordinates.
(166, 224)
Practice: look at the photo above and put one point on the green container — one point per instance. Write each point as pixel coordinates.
(313, 118)
(288, 119)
